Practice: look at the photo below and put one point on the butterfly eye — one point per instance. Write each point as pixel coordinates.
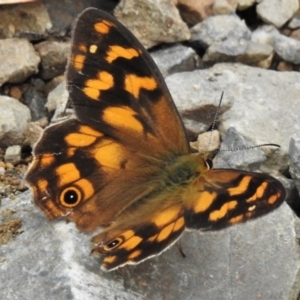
(70, 197)
(111, 245)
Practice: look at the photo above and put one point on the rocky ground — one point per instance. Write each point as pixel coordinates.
(250, 50)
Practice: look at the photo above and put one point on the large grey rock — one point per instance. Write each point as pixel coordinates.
(261, 104)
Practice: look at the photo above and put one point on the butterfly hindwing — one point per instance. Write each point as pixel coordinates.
(223, 197)
(214, 200)
(142, 233)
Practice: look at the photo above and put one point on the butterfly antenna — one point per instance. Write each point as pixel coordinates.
(215, 119)
(248, 148)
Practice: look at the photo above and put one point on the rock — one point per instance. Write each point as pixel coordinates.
(246, 52)
(13, 154)
(30, 21)
(277, 12)
(14, 117)
(155, 21)
(294, 154)
(287, 48)
(244, 4)
(64, 13)
(238, 152)
(32, 133)
(256, 53)
(209, 31)
(176, 59)
(35, 100)
(57, 99)
(207, 142)
(294, 23)
(255, 102)
(18, 60)
(54, 57)
(284, 66)
(222, 7)
(194, 11)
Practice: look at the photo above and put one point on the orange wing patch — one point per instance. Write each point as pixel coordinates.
(110, 154)
(116, 51)
(103, 27)
(134, 83)
(223, 211)
(67, 173)
(79, 59)
(93, 87)
(241, 188)
(122, 117)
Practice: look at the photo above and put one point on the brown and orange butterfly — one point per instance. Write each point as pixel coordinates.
(124, 162)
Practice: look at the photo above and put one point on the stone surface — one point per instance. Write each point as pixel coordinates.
(153, 21)
(57, 101)
(195, 11)
(28, 20)
(35, 100)
(13, 154)
(256, 260)
(287, 48)
(176, 59)
(32, 133)
(255, 53)
(63, 12)
(209, 31)
(277, 12)
(18, 60)
(244, 4)
(294, 23)
(233, 50)
(222, 7)
(54, 57)
(294, 162)
(13, 119)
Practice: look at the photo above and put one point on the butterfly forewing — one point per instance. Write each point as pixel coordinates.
(116, 88)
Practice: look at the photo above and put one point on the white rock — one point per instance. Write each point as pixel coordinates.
(14, 117)
(13, 154)
(277, 12)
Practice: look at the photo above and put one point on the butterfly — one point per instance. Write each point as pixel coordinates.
(123, 164)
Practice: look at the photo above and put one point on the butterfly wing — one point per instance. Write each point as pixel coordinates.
(117, 89)
(142, 233)
(222, 197)
(81, 173)
(214, 200)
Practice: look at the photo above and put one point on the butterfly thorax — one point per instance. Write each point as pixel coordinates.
(183, 169)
